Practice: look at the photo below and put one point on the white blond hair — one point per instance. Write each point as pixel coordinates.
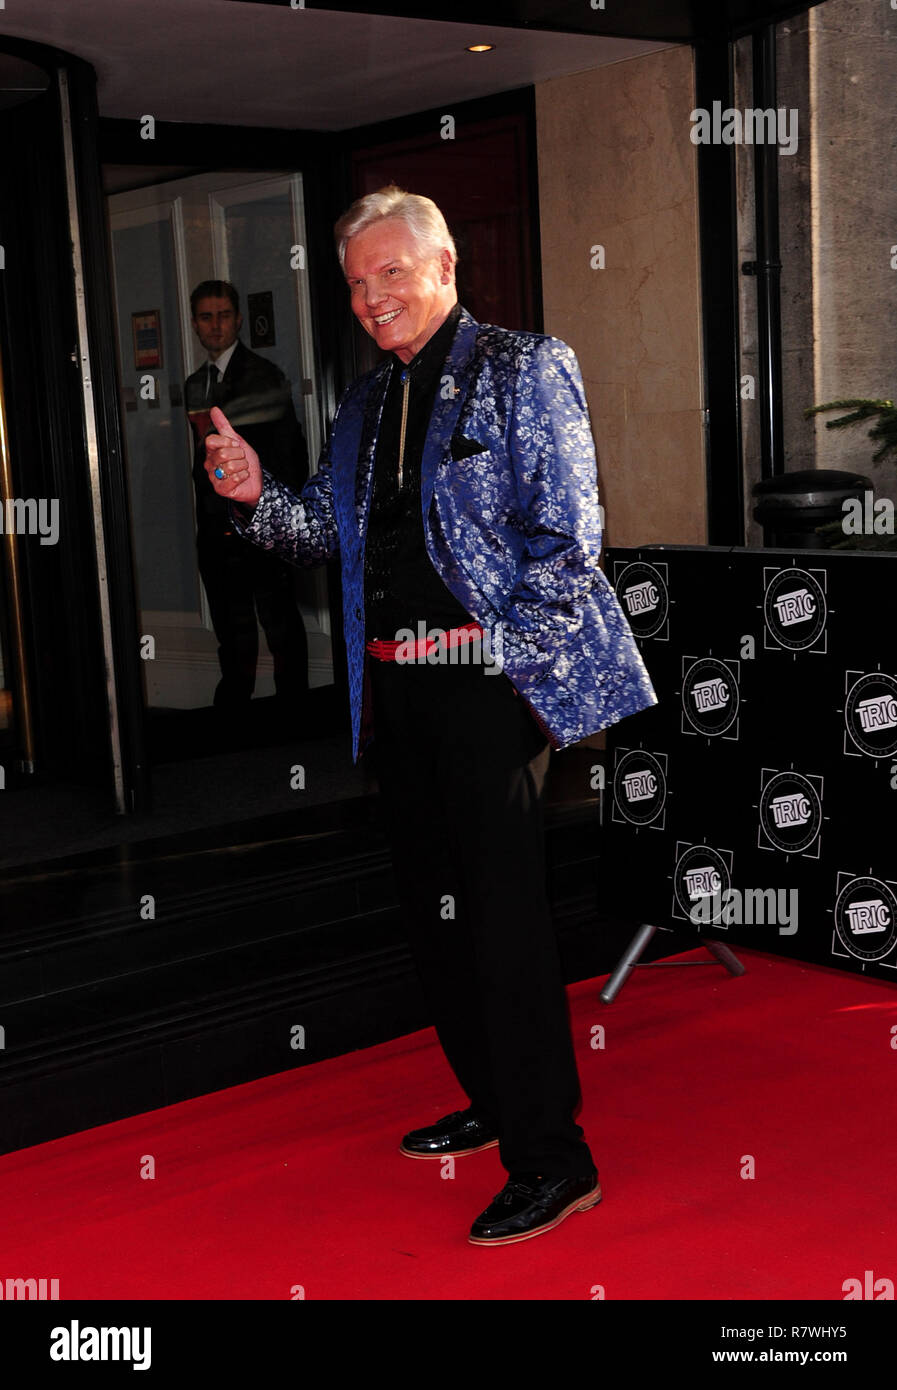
(420, 215)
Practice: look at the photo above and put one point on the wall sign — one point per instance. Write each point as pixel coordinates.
(146, 327)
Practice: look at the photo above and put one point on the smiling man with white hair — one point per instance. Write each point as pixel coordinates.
(459, 489)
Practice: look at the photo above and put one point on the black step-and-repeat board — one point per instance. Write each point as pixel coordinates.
(757, 801)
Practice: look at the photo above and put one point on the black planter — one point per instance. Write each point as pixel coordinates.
(790, 506)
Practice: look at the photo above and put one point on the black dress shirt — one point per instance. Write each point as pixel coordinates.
(401, 586)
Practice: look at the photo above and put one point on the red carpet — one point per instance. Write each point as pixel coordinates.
(296, 1179)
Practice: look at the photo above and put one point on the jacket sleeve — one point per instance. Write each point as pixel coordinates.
(301, 526)
(553, 458)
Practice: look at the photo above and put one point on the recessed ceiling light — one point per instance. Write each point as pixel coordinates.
(480, 47)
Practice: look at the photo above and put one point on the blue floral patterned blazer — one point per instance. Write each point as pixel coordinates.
(512, 529)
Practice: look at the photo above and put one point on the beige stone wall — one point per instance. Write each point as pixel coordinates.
(617, 168)
(835, 66)
(838, 298)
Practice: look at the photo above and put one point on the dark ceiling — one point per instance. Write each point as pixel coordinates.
(672, 20)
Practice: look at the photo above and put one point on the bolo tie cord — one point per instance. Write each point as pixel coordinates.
(406, 386)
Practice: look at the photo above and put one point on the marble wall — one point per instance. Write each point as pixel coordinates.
(617, 169)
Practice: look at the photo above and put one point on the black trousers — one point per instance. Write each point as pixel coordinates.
(241, 579)
(461, 765)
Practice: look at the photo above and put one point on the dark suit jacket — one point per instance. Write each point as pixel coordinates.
(256, 398)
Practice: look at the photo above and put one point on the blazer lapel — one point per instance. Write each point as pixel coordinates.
(457, 379)
(370, 431)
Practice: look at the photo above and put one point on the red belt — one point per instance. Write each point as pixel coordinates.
(386, 651)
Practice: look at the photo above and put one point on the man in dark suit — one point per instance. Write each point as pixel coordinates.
(241, 579)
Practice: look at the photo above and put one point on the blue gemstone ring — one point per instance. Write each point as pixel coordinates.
(220, 473)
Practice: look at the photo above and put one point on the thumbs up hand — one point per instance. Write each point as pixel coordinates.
(232, 464)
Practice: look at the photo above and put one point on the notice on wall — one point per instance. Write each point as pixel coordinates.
(260, 308)
(146, 327)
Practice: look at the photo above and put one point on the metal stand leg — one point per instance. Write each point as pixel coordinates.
(637, 946)
(628, 962)
(723, 955)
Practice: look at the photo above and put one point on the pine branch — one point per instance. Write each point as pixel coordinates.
(885, 428)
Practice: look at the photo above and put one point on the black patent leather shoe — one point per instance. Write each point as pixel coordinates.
(529, 1204)
(459, 1133)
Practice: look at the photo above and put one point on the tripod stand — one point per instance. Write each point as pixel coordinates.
(638, 945)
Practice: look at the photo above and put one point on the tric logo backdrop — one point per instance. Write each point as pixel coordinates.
(757, 802)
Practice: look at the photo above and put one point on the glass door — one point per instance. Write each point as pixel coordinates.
(16, 737)
(167, 240)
